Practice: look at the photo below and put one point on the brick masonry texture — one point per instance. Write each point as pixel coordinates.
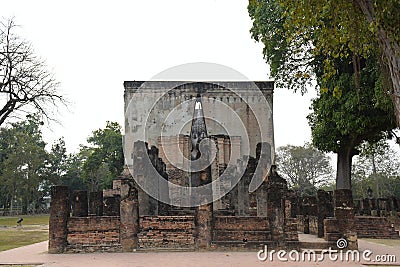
(245, 228)
(375, 227)
(172, 232)
(291, 234)
(59, 213)
(88, 234)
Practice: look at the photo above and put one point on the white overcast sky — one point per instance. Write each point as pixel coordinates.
(94, 46)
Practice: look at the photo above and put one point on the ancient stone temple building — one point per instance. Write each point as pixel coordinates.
(142, 213)
(239, 119)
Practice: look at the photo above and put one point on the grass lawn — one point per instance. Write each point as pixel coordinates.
(34, 229)
(28, 220)
(17, 238)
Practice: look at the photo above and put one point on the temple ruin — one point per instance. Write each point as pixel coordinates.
(144, 213)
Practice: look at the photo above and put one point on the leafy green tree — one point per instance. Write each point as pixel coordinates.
(23, 166)
(104, 159)
(304, 167)
(330, 41)
(57, 163)
(73, 177)
(294, 33)
(340, 124)
(377, 167)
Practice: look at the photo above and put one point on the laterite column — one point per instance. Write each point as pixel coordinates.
(59, 213)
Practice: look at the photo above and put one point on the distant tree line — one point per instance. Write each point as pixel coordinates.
(28, 169)
(377, 167)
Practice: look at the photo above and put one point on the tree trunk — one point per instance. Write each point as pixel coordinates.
(343, 174)
(375, 175)
(12, 202)
(390, 50)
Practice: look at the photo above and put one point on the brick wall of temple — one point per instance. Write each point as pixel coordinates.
(172, 232)
(291, 234)
(375, 227)
(91, 228)
(89, 234)
(243, 228)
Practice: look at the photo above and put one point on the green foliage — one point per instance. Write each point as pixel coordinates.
(28, 170)
(377, 167)
(354, 116)
(294, 33)
(104, 159)
(73, 174)
(28, 220)
(289, 58)
(56, 165)
(34, 229)
(305, 168)
(16, 238)
(23, 164)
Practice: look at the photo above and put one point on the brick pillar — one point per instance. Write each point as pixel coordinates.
(276, 192)
(96, 203)
(59, 213)
(262, 205)
(324, 208)
(344, 214)
(79, 203)
(204, 225)
(344, 209)
(129, 227)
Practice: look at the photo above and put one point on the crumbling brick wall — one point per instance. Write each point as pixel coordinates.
(241, 228)
(291, 234)
(90, 234)
(172, 232)
(375, 227)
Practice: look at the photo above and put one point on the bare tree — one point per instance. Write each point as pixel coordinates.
(25, 84)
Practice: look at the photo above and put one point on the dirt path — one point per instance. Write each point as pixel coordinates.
(36, 254)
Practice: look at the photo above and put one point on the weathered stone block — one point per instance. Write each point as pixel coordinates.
(204, 225)
(129, 226)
